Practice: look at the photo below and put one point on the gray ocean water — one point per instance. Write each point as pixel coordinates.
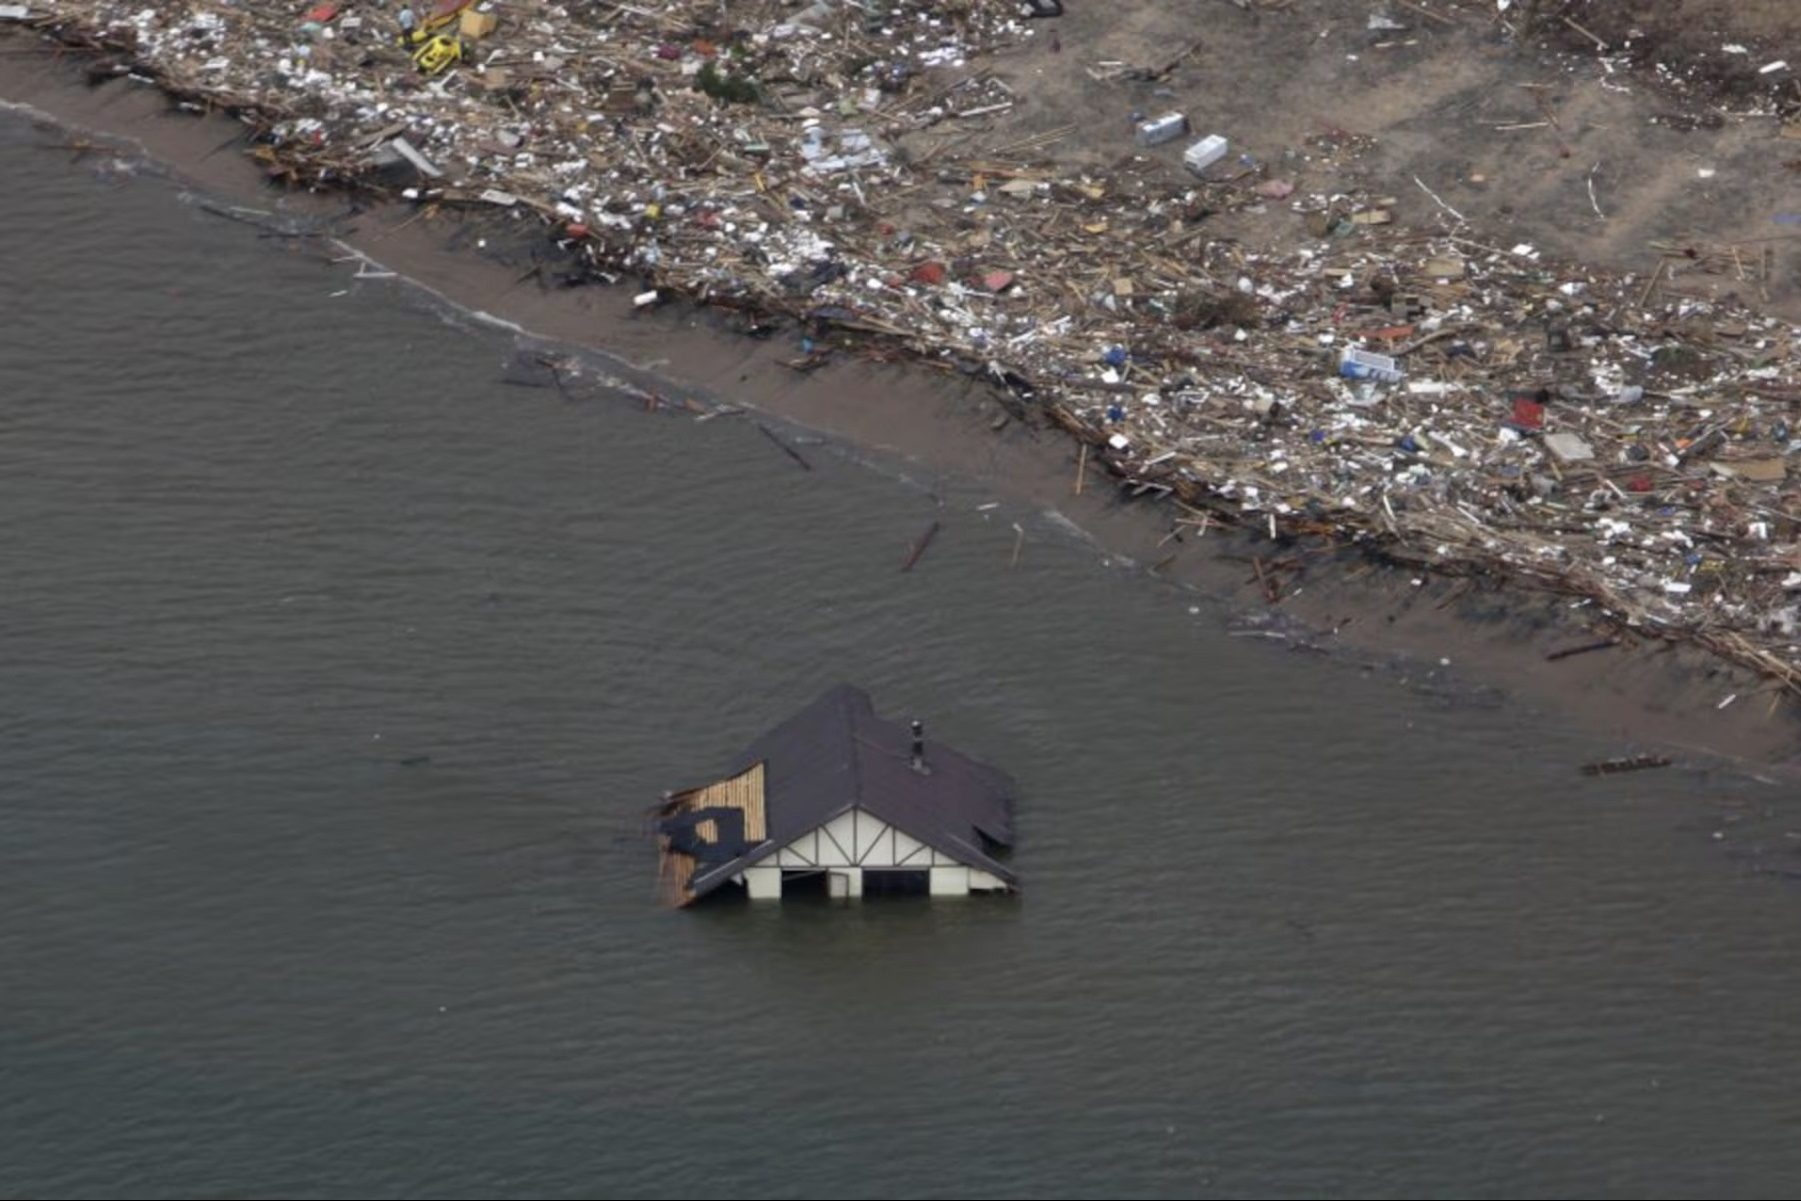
(1290, 927)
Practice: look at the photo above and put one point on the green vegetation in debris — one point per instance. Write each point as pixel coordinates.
(733, 88)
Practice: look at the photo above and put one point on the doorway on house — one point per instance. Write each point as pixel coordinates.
(896, 882)
(808, 883)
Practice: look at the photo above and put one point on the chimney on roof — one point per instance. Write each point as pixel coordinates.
(919, 746)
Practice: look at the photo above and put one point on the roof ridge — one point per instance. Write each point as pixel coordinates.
(855, 738)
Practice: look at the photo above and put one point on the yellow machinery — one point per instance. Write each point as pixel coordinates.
(432, 49)
(436, 52)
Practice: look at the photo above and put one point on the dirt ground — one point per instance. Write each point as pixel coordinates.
(1546, 139)
(1698, 24)
(1690, 39)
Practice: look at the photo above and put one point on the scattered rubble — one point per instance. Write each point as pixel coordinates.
(1444, 401)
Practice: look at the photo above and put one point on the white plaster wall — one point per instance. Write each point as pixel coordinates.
(950, 881)
(838, 841)
(763, 883)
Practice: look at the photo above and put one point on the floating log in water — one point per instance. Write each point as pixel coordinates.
(1610, 767)
(1585, 648)
(919, 547)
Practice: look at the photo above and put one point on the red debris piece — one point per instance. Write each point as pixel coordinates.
(931, 273)
(322, 12)
(576, 229)
(1639, 483)
(997, 281)
(1528, 414)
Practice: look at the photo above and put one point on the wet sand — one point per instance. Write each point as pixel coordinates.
(1338, 602)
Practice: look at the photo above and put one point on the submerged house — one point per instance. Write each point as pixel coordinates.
(838, 802)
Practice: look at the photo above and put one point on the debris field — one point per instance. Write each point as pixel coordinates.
(1465, 405)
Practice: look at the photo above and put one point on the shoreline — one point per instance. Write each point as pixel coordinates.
(1641, 467)
(1340, 600)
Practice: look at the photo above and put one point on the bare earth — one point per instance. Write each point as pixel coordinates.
(1434, 98)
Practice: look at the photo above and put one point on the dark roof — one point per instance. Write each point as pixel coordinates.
(836, 754)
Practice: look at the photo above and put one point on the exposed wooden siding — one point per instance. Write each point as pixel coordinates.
(743, 792)
(673, 874)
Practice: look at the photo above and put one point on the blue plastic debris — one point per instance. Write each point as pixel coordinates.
(1363, 364)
